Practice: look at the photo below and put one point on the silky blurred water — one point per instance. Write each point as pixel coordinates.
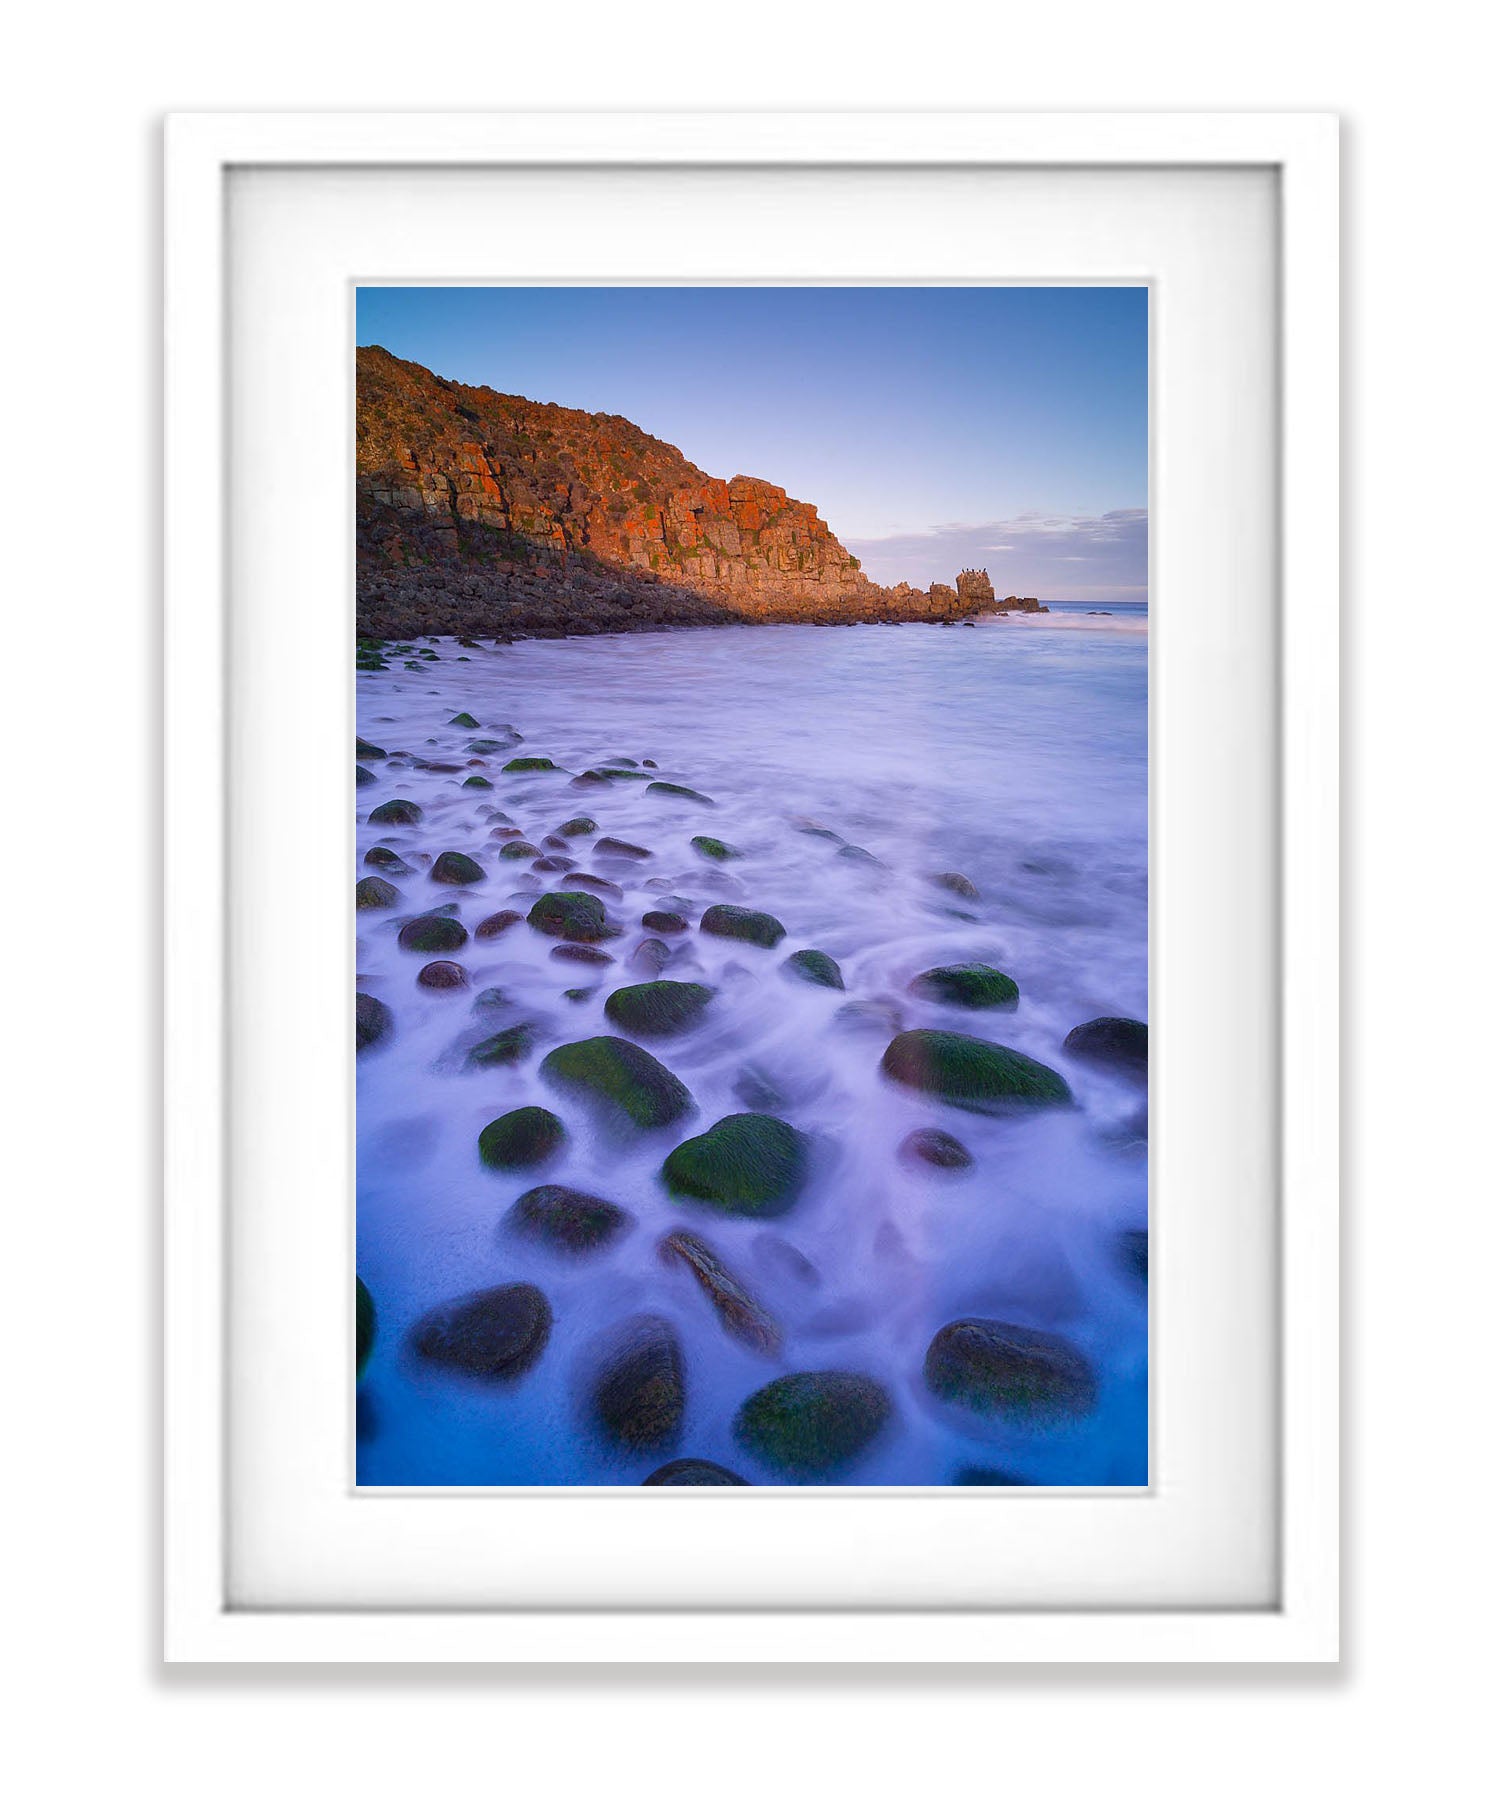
(1013, 753)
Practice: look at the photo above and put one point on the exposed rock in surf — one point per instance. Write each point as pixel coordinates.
(579, 917)
(675, 791)
(441, 976)
(363, 777)
(530, 765)
(657, 1008)
(627, 1080)
(988, 1366)
(669, 924)
(581, 826)
(379, 857)
(693, 1471)
(740, 1313)
(430, 933)
(815, 966)
(478, 781)
(494, 1334)
(744, 923)
(581, 953)
(466, 720)
(972, 1073)
(649, 958)
(456, 869)
(715, 849)
(519, 848)
(748, 1163)
(497, 923)
(814, 1423)
(956, 884)
(367, 752)
(937, 1149)
(973, 985)
(396, 812)
(620, 850)
(1115, 1044)
(371, 892)
(640, 1391)
(505, 1049)
(372, 1021)
(883, 1016)
(567, 1219)
(522, 1138)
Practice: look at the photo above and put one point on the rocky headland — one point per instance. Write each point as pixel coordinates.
(486, 514)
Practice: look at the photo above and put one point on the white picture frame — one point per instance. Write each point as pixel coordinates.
(203, 1622)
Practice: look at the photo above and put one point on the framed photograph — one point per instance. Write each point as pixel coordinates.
(836, 619)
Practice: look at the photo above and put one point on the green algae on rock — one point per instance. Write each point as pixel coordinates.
(379, 857)
(521, 1139)
(972, 1073)
(518, 848)
(740, 1313)
(455, 869)
(966, 984)
(478, 781)
(364, 1326)
(494, 1334)
(989, 1366)
(742, 922)
(372, 1021)
(431, 933)
(657, 1008)
(628, 1080)
(675, 791)
(579, 917)
(530, 765)
(504, 1049)
(640, 1391)
(466, 720)
(748, 1163)
(364, 752)
(396, 812)
(715, 849)
(814, 1423)
(693, 1471)
(567, 1219)
(370, 891)
(815, 966)
(582, 826)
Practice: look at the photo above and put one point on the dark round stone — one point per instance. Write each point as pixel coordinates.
(693, 1471)
(494, 1334)
(429, 933)
(442, 975)
(522, 1138)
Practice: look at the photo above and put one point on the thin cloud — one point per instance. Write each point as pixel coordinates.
(1064, 556)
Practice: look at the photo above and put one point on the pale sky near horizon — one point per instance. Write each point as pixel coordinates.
(933, 428)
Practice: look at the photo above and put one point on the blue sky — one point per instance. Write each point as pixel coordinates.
(933, 428)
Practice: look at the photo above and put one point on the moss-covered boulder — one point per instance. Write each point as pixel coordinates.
(528, 765)
(578, 917)
(668, 924)
(431, 933)
(497, 922)
(740, 1313)
(566, 1219)
(748, 1163)
(621, 850)
(693, 1471)
(490, 746)
(370, 892)
(966, 984)
(715, 849)
(988, 1366)
(373, 1020)
(442, 975)
(521, 1139)
(466, 720)
(366, 752)
(657, 1008)
(456, 869)
(673, 790)
(363, 777)
(812, 1424)
(856, 853)
(580, 826)
(396, 812)
(379, 857)
(972, 1073)
(640, 1390)
(364, 1326)
(1109, 1043)
(478, 781)
(935, 1149)
(505, 1049)
(815, 966)
(622, 1077)
(742, 922)
(494, 1334)
(519, 850)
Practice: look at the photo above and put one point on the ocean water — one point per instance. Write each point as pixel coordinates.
(1013, 753)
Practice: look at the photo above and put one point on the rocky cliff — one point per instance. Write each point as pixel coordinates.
(482, 512)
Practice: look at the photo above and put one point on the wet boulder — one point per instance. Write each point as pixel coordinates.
(749, 1164)
(740, 1313)
(372, 1021)
(812, 1424)
(883, 1016)
(441, 976)
(466, 720)
(815, 966)
(370, 892)
(529, 765)
(972, 1073)
(667, 924)
(673, 790)
(693, 1471)
(954, 883)
(504, 1049)
(581, 953)
(521, 1139)
(640, 1391)
(477, 781)
(715, 849)
(578, 917)
(620, 850)
(494, 1334)
(430, 933)
(367, 752)
(935, 1149)
(566, 1219)
(657, 1008)
(622, 1077)
(1118, 1045)
(396, 812)
(743, 923)
(456, 869)
(363, 777)
(497, 923)
(519, 848)
(379, 857)
(989, 1366)
(649, 958)
(973, 985)
(582, 826)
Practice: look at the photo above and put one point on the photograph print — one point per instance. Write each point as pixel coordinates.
(750, 902)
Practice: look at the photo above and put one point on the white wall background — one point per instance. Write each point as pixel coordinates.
(79, 353)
